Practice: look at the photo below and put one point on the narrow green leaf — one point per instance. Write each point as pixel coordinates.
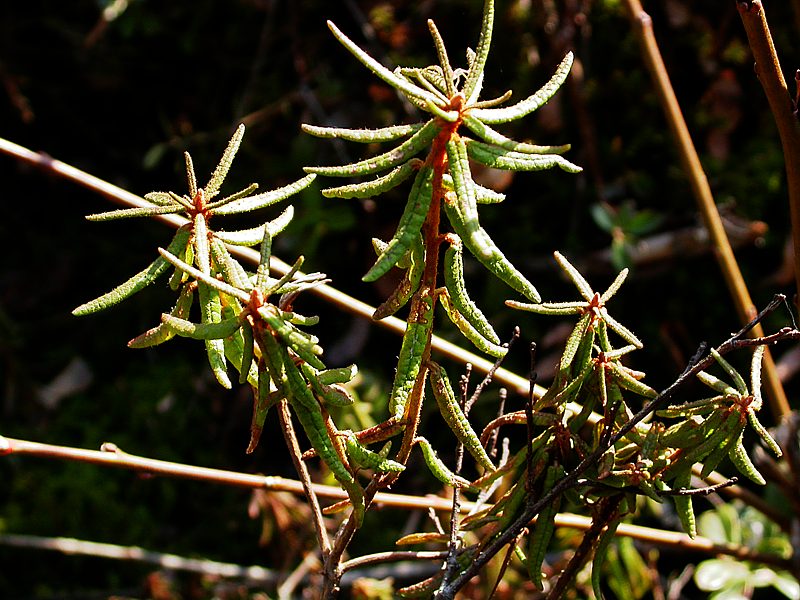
(138, 282)
(456, 286)
(201, 331)
(224, 263)
(212, 282)
(762, 432)
(366, 136)
(542, 531)
(742, 462)
(580, 282)
(211, 314)
(444, 61)
(490, 136)
(738, 380)
(409, 284)
(368, 189)
(549, 308)
(265, 199)
(437, 467)
(531, 103)
(191, 177)
(219, 174)
(683, 504)
(213, 207)
(614, 287)
(262, 271)
(480, 341)
(161, 333)
(402, 153)
(409, 226)
(378, 69)
(454, 416)
(483, 195)
(412, 350)
(507, 160)
(755, 377)
(159, 198)
(337, 375)
(367, 459)
(600, 556)
(202, 252)
(144, 211)
(475, 73)
(251, 237)
(463, 216)
(482, 247)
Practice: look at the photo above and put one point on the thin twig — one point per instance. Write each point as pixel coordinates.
(394, 556)
(120, 459)
(490, 373)
(173, 562)
(501, 407)
(450, 566)
(294, 450)
(703, 491)
(693, 168)
(772, 511)
(286, 589)
(604, 513)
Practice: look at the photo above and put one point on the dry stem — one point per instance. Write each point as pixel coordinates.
(113, 457)
(702, 192)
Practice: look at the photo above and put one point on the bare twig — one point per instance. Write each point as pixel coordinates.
(287, 588)
(773, 512)
(245, 480)
(295, 452)
(172, 562)
(699, 183)
(394, 556)
(703, 491)
(604, 513)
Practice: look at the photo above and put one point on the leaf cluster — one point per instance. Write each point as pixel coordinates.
(587, 411)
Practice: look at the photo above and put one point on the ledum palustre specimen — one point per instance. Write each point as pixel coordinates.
(240, 326)
(199, 245)
(436, 154)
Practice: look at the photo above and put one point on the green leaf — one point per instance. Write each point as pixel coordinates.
(265, 199)
(531, 103)
(138, 282)
(219, 174)
(378, 69)
(366, 136)
(475, 75)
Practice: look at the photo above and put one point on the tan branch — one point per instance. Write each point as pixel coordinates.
(693, 168)
(113, 457)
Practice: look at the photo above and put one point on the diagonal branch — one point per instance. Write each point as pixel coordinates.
(700, 188)
(337, 298)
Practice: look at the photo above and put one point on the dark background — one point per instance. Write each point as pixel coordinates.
(123, 99)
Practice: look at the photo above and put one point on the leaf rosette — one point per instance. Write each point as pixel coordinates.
(451, 97)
